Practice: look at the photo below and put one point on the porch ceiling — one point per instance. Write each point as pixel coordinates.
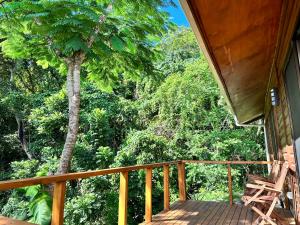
(239, 40)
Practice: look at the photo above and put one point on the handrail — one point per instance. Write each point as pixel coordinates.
(228, 162)
(12, 184)
(59, 182)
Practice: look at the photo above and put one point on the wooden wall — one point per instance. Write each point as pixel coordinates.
(283, 129)
(283, 135)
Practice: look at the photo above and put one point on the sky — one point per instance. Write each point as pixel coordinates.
(177, 15)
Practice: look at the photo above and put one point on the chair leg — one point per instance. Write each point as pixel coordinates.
(258, 221)
(264, 217)
(272, 207)
(270, 221)
(253, 197)
(268, 214)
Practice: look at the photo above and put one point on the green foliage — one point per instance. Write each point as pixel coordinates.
(104, 157)
(51, 118)
(16, 207)
(32, 203)
(179, 47)
(40, 206)
(143, 147)
(185, 99)
(24, 169)
(79, 209)
(96, 202)
(107, 33)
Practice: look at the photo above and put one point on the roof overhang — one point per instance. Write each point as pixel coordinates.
(239, 40)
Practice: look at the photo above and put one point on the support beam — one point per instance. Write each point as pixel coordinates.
(123, 198)
(58, 203)
(166, 188)
(148, 197)
(181, 181)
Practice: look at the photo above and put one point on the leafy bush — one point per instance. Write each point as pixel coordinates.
(24, 168)
(95, 202)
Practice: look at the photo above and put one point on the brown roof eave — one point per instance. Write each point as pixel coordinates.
(203, 44)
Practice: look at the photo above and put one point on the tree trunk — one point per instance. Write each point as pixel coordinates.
(136, 91)
(21, 129)
(73, 89)
(22, 138)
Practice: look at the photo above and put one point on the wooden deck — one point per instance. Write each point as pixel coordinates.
(208, 213)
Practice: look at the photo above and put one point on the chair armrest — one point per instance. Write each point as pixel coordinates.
(262, 187)
(254, 176)
(251, 175)
(272, 189)
(268, 184)
(255, 186)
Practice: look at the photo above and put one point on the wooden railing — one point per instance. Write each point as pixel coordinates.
(59, 182)
(229, 176)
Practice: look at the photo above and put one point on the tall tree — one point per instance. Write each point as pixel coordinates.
(106, 38)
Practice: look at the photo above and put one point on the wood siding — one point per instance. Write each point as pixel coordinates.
(283, 133)
(288, 23)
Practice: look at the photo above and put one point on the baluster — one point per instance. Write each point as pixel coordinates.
(229, 184)
(58, 203)
(181, 181)
(123, 198)
(148, 197)
(166, 188)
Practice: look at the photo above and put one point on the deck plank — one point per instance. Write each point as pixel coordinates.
(243, 216)
(209, 207)
(250, 217)
(236, 215)
(212, 214)
(230, 214)
(223, 216)
(222, 210)
(205, 213)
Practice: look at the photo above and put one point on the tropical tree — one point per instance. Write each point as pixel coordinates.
(105, 39)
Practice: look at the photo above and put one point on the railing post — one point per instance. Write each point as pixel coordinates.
(148, 196)
(181, 181)
(123, 198)
(229, 184)
(166, 188)
(58, 203)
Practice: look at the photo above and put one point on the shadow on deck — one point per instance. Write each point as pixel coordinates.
(209, 213)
